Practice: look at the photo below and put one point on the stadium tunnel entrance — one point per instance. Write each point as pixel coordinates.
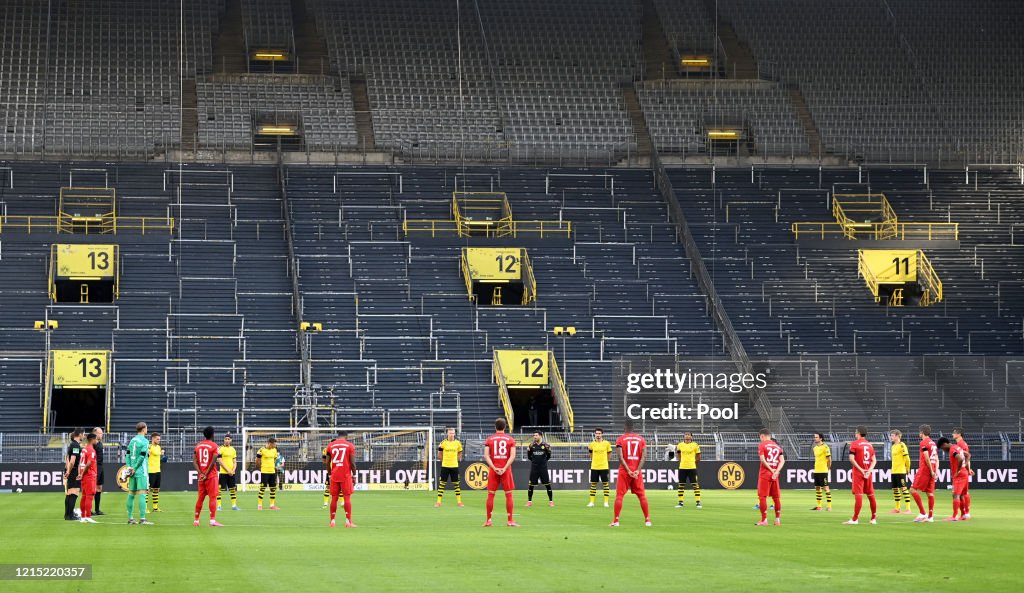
(71, 407)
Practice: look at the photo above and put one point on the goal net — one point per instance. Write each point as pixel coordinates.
(394, 458)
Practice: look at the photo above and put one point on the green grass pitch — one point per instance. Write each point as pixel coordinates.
(404, 544)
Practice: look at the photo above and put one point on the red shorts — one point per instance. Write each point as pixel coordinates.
(767, 487)
(625, 483)
(503, 482)
(860, 484)
(89, 485)
(210, 486)
(960, 482)
(342, 485)
(923, 482)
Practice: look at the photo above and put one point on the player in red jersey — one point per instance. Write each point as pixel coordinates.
(632, 455)
(959, 472)
(862, 464)
(87, 473)
(772, 459)
(499, 453)
(924, 479)
(341, 455)
(965, 499)
(206, 461)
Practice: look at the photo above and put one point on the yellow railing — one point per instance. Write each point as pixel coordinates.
(931, 231)
(529, 281)
(928, 280)
(561, 395)
(928, 231)
(896, 298)
(540, 228)
(864, 271)
(46, 392)
(88, 225)
(846, 207)
(506, 403)
(464, 264)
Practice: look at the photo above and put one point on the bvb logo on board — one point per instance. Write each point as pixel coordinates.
(731, 475)
(476, 476)
(121, 477)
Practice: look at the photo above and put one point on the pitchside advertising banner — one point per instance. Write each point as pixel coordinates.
(565, 475)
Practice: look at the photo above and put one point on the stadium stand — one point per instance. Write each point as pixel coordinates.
(409, 53)
(865, 90)
(680, 113)
(790, 298)
(206, 326)
(232, 109)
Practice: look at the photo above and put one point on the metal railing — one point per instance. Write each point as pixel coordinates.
(924, 231)
(774, 417)
(529, 228)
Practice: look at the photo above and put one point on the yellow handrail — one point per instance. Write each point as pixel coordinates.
(436, 227)
(932, 285)
(529, 281)
(464, 264)
(91, 226)
(561, 394)
(864, 271)
(927, 231)
(506, 403)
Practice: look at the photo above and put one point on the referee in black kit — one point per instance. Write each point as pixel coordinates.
(72, 485)
(538, 453)
(98, 447)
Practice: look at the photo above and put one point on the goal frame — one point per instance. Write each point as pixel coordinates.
(429, 430)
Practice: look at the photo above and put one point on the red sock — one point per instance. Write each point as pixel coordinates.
(778, 506)
(199, 504)
(86, 506)
(857, 504)
(348, 508)
(917, 499)
(509, 504)
(643, 506)
(334, 506)
(874, 505)
(931, 504)
(956, 507)
(763, 501)
(213, 508)
(965, 504)
(490, 503)
(618, 506)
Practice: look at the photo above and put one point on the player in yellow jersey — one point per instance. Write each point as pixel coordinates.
(599, 449)
(156, 455)
(267, 458)
(900, 469)
(449, 453)
(689, 456)
(228, 481)
(822, 466)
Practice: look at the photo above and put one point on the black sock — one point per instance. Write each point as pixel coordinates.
(71, 500)
(550, 495)
(67, 506)
(98, 495)
(529, 495)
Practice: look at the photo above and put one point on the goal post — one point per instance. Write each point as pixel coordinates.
(391, 458)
